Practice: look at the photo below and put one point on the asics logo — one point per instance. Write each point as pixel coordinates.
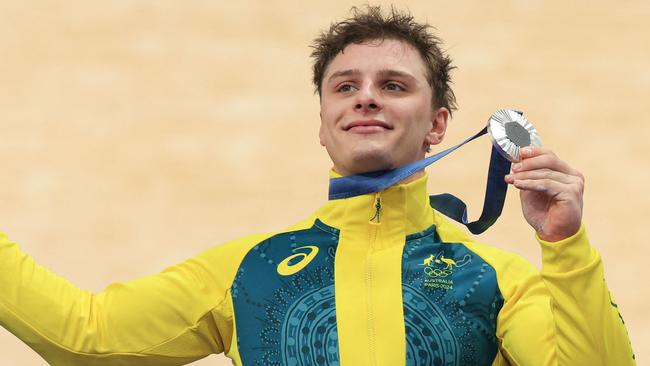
(287, 269)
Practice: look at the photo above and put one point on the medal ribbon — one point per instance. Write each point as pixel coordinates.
(449, 205)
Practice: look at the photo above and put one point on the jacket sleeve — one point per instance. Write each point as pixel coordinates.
(525, 326)
(171, 318)
(589, 327)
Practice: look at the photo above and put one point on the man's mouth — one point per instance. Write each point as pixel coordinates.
(367, 126)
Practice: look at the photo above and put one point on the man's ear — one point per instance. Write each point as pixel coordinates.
(321, 131)
(439, 119)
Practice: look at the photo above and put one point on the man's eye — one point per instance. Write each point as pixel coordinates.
(345, 88)
(393, 87)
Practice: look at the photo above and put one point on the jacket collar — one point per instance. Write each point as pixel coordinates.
(404, 209)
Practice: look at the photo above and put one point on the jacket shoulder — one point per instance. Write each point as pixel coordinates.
(222, 261)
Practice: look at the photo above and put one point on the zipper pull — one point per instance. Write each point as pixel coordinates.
(377, 217)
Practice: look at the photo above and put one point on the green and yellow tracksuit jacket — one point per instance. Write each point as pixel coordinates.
(379, 279)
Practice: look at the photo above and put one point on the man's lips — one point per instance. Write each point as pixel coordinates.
(367, 126)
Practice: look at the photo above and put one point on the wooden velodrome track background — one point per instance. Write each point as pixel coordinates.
(135, 134)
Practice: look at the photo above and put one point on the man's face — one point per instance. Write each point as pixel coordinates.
(376, 110)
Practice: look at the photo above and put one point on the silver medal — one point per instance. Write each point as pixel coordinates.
(510, 131)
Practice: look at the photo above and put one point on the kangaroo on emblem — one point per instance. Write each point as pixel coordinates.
(449, 262)
(427, 261)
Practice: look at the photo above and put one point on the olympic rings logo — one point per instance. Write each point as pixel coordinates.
(436, 272)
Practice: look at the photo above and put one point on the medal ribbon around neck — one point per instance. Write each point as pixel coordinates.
(509, 131)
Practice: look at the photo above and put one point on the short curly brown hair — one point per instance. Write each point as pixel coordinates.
(370, 24)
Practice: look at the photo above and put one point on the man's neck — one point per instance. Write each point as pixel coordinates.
(408, 179)
(412, 177)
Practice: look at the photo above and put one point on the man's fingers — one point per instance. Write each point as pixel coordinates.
(532, 151)
(547, 186)
(540, 157)
(551, 187)
(543, 174)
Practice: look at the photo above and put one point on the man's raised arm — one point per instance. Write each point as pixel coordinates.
(172, 318)
(588, 326)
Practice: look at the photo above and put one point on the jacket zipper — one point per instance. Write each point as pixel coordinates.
(375, 221)
(377, 217)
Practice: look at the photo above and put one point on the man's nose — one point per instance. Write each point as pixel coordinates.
(367, 100)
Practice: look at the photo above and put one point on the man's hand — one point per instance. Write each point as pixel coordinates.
(550, 191)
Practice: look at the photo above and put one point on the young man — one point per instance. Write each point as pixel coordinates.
(375, 279)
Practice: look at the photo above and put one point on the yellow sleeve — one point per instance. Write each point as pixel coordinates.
(525, 330)
(589, 327)
(525, 326)
(171, 318)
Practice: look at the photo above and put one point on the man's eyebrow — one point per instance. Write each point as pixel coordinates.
(388, 73)
(385, 73)
(348, 72)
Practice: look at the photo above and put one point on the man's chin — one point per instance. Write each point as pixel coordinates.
(361, 162)
(367, 163)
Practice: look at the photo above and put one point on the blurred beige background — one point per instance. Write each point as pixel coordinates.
(135, 134)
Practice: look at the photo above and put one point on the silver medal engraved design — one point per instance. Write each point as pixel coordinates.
(510, 131)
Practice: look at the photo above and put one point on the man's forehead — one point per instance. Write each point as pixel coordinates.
(377, 56)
